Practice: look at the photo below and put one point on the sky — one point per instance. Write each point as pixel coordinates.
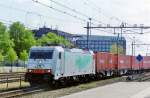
(113, 12)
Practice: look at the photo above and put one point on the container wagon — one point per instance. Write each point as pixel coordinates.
(124, 64)
(135, 64)
(146, 63)
(105, 63)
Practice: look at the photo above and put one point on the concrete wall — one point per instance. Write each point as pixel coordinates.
(14, 69)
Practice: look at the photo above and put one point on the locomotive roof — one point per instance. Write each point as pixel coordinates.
(59, 48)
(45, 47)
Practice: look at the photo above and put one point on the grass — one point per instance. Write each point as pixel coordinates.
(100, 83)
(87, 86)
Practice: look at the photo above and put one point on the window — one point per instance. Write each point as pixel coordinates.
(59, 55)
(41, 54)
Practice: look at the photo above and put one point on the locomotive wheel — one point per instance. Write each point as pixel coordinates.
(56, 84)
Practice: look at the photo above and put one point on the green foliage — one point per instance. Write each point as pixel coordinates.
(28, 40)
(54, 39)
(114, 49)
(23, 38)
(1, 57)
(2, 28)
(11, 55)
(5, 41)
(24, 55)
(17, 40)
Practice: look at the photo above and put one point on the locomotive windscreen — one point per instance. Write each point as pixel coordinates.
(41, 54)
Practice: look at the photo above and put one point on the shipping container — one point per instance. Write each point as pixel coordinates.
(146, 62)
(124, 62)
(112, 61)
(136, 65)
(104, 63)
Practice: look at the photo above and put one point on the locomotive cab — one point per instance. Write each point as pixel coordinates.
(42, 63)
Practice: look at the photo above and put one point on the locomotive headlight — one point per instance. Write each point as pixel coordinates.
(30, 70)
(49, 70)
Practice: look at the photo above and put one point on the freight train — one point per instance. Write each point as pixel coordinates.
(55, 63)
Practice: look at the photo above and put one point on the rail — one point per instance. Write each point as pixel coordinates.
(139, 77)
(11, 73)
(9, 78)
(21, 92)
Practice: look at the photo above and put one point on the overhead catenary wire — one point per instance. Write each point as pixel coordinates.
(75, 11)
(71, 9)
(41, 16)
(32, 12)
(128, 31)
(9, 22)
(95, 7)
(58, 10)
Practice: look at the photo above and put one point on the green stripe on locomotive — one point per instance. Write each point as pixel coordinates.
(80, 61)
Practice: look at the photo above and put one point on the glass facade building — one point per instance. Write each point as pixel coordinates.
(100, 43)
(96, 43)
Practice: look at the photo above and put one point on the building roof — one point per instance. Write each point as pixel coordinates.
(74, 37)
(97, 37)
(44, 30)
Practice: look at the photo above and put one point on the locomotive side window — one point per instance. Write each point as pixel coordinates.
(59, 55)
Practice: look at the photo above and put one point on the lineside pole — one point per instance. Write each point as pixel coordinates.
(88, 30)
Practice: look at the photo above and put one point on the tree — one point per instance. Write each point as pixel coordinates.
(5, 41)
(24, 56)
(28, 40)
(2, 28)
(23, 38)
(11, 56)
(116, 50)
(1, 57)
(54, 39)
(17, 31)
(2, 31)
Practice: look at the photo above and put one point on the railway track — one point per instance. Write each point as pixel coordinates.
(12, 74)
(146, 77)
(32, 90)
(21, 92)
(11, 77)
(139, 77)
